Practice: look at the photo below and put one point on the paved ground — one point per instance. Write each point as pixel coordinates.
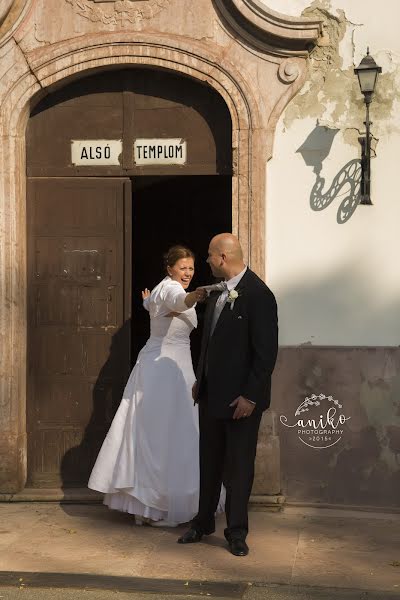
(305, 554)
(253, 593)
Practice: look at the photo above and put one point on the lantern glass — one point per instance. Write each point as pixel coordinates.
(367, 80)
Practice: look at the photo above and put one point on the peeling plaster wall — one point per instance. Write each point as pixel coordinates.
(359, 465)
(334, 264)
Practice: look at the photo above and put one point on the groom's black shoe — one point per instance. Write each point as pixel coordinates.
(238, 547)
(190, 537)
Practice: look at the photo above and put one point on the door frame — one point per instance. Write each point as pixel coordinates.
(253, 124)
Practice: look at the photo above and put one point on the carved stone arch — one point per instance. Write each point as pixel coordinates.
(253, 115)
(51, 68)
(52, 64)
(275, 33)
(55, 65)
(11, 13)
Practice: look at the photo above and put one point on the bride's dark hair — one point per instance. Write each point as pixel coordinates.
(176, 253)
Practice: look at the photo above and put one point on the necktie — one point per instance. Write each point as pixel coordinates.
(222, 288)
(215, 287)
(219, 305)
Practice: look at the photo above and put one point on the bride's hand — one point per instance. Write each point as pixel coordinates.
(145, 293)
(199, 295)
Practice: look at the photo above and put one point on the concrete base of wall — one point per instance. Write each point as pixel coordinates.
(273, 503)
(362, 469)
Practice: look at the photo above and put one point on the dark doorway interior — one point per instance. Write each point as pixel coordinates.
(185, 210)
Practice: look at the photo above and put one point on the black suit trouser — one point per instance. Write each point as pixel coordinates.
(227, 455)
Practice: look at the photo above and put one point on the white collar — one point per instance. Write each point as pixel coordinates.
(232, 283)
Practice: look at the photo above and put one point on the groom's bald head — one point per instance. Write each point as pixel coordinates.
(228, 244)
(225, 255)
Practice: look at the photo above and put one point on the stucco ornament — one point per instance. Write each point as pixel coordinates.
(5, 6)
(288, 71)
(118, 12)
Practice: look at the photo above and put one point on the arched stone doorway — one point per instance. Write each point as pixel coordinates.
(254, 58)
(121, 165)
(247, 213)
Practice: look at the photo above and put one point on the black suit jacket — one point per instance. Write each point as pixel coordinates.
(239, 357)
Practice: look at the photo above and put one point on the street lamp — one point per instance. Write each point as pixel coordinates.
(367, 73)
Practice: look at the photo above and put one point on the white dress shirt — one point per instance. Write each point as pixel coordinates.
(219, 305)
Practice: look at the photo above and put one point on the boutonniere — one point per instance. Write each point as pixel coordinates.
(232, 296)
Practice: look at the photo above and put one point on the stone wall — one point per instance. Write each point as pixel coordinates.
(333, 263)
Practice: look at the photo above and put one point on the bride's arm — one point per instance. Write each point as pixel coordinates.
(177, 300)
(146, 298)
(191, 298)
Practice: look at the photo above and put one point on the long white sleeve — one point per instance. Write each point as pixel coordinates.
(173, 296)
(146, 303)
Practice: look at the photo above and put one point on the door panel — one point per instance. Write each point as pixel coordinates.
(79, 267)
(127, 105)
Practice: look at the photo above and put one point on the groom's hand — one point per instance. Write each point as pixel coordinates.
(244, 407)
(194, 390)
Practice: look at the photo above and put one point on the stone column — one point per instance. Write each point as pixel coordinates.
(17, 86)
(12, 327)
(267, 481)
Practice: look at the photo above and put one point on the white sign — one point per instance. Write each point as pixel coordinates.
(160, 151)
(96, 152)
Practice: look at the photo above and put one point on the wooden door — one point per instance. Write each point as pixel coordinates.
(79, 266)
(130, 104)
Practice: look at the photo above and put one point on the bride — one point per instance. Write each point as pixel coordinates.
(149, 462)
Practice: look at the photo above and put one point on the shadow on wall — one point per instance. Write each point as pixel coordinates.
(77, 461)
(346, 183)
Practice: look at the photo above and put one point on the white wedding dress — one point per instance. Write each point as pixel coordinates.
(149, 462)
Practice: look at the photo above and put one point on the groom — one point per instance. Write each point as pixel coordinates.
(238, 354)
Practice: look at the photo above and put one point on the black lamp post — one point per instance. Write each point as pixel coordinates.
(367, 73)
